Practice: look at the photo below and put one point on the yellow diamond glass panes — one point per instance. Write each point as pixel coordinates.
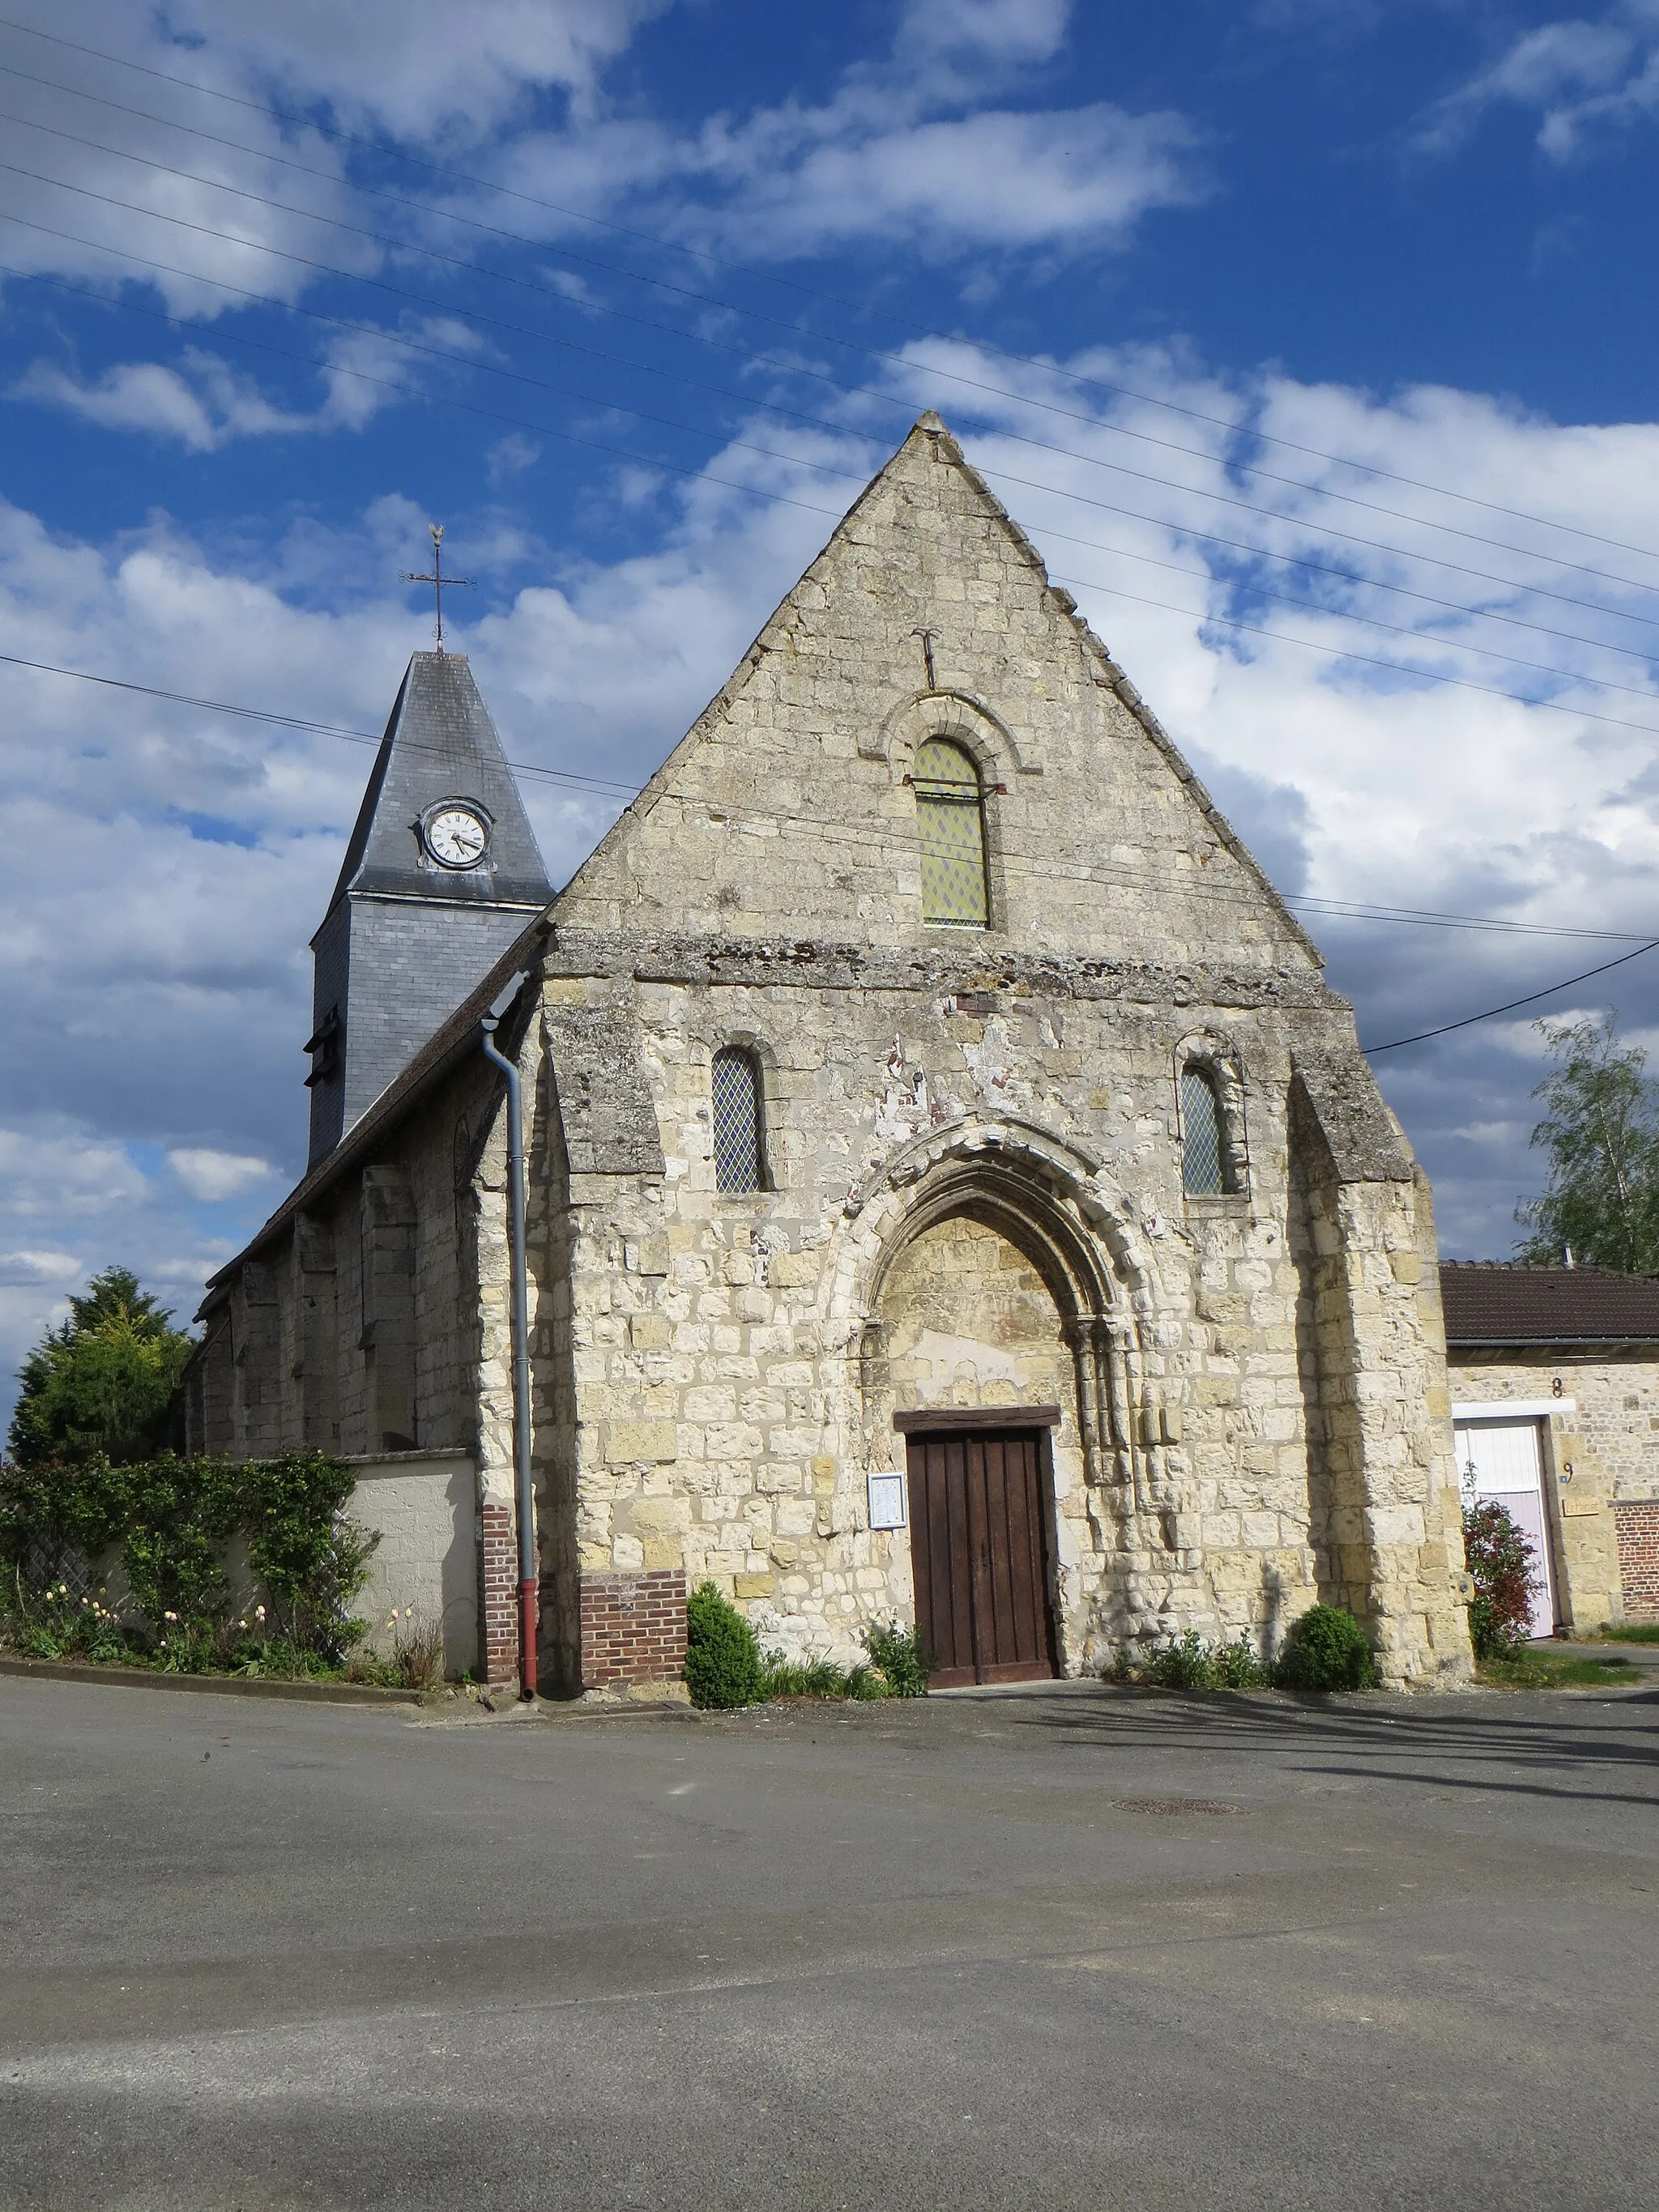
(950, 821)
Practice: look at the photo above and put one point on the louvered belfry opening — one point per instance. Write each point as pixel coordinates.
(1203, 1155)
(739, 1157)
(951, 825)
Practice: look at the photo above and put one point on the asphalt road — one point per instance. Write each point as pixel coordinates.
(1068, 1948)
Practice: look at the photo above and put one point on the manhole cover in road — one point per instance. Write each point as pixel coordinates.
(1174, 1804)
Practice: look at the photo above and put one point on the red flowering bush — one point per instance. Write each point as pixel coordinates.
(1504, 1568)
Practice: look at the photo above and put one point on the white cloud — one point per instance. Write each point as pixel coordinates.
(213, 1176)
(1001, 181)
(935, 148)
(511, 457)
(205, 403)
(160, 965)
(1002, 30)
(1583, 78)
(97, 212)
(412, 67)
(201, 412)
(921, 149)
(18, 1268)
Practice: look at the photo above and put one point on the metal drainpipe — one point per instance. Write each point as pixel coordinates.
(524, 1488)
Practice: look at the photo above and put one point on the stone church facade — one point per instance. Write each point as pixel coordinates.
(920, 1081)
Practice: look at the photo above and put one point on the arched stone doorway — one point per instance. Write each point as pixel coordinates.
(978, 1361)
(1000, 1370)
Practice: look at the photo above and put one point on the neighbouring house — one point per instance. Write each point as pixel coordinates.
(954, 1191)
(1555, 1387)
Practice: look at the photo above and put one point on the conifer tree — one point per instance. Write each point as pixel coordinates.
(103, 1383)
(1601, 1132)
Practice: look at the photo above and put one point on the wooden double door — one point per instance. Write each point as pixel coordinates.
(979, 1544)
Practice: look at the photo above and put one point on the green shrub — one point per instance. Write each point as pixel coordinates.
(865, 1684)
(170, 1520)
(1327, 1650)
(1183, 1663)
(1187, 1662)
(312, 1560)
(1240, 1665)
(1504, 1568)
(900, 1654)
(723, 1664)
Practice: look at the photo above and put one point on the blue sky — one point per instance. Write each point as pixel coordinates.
(1303, 336)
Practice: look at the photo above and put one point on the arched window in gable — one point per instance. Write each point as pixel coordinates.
(739, 1129)
(1206, 1165)
(951, 823)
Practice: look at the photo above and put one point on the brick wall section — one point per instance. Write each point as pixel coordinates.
(633, 1628)
(498, 1596)
(1639, 1556)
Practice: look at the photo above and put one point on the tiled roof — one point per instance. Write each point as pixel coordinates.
(1500, 1302)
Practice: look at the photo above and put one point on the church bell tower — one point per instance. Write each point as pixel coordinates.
(441, 874)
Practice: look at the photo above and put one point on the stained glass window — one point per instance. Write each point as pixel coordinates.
(737, 1120)
(950, 821)
(1203, 1161)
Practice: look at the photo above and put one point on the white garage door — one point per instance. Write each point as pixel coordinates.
(1504, 1461)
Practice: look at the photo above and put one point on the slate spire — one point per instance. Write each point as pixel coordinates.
(441, 873)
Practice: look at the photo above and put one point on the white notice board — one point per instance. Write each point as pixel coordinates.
(887, 1501)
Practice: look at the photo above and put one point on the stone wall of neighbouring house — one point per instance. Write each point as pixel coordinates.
(1610, 1442)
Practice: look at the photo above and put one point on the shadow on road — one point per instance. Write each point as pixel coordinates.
(1474, 1743)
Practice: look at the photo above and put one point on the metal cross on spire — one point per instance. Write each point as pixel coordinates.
(437, 579)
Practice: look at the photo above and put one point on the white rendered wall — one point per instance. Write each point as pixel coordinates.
(424, 1506)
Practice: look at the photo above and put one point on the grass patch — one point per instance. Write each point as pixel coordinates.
(1553, 1670)
(1633, 1631)
(803, 1678)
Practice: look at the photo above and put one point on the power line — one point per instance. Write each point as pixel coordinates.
(1491, 1013)
(795, 370)
(1199, 616)
(293, 721)
(1363, 659)
(1432, 918)
(847, 832)
(822, 468)
(751, 401)
(268, 113)
(387, 383)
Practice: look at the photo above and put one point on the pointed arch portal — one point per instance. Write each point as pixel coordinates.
(999, 1338)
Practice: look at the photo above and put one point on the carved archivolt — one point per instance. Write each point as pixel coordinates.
(949, 714)
(1046, 1198)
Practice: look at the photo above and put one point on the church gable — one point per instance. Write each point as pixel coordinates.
(927, 741)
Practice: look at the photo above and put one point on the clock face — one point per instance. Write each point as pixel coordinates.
(456, 837)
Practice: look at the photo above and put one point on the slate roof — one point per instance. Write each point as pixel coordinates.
(1492, 1301)
(440, 744)
(441, 1053)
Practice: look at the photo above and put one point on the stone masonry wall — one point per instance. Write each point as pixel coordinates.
(728, 1388)
(727, 1414)
(715, 1374)
(1610, 1442)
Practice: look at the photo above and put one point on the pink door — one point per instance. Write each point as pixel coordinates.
(1504, 1461)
